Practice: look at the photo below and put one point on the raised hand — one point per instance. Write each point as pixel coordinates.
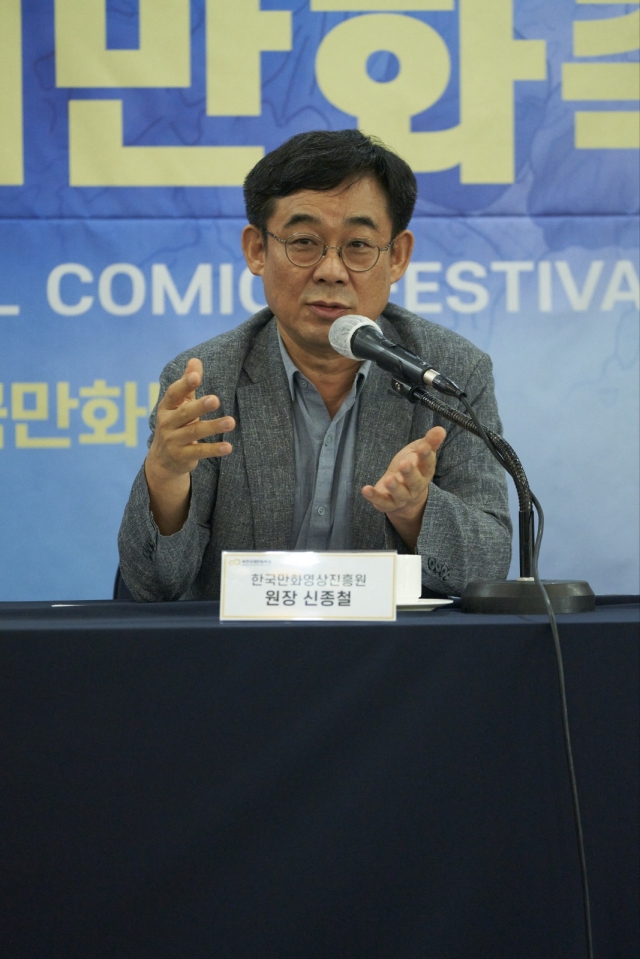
(403, 490)
(176, 450)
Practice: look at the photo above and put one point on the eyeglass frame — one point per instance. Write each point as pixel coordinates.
(326, 247)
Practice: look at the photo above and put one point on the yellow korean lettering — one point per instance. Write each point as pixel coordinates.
(607, 130)
(366, 6)
(132, 413)
(490, 62)
(39, 411)
(99, 423)
(4, 412)
(600, 129)
(99, 388)
(97, 156)
(11, 141)
(101, 412)
(600, 81)
(82, 58)
(26, 442)
(65, 403)
(40, 408)
(603, 37)
(387, 108)
(237, 33)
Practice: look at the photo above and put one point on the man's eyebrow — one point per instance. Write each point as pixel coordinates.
(359, 220)
(296, 218)
(362, 220)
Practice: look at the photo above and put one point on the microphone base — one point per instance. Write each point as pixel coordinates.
(522, 596)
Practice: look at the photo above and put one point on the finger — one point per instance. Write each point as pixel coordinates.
(191, 410)
(422, 448)
(398, 492)
(397, 488)
(417, 469)
(208, 450)
(194, 369)
(184, 388)
(381, 499)
(203, 428)
(390, 483)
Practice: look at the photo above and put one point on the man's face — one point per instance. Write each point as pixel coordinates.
(307, 300)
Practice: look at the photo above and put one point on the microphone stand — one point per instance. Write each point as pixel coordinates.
(522, 595)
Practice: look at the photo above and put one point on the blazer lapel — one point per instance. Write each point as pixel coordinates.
(266, 424)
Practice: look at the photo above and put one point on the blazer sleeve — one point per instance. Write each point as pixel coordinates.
(156, 567)
(466, 527)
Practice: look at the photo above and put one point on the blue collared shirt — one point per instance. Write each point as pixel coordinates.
(325, 451)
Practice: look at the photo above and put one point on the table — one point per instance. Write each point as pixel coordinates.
(174, 787)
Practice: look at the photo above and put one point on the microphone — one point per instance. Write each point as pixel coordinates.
(359, 338)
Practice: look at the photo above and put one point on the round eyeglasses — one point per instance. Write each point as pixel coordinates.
(307, 249)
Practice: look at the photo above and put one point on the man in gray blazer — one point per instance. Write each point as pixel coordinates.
(265, 438)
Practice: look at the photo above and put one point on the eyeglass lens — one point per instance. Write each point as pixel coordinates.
(306, 250)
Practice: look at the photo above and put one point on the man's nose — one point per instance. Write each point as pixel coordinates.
(331, 268)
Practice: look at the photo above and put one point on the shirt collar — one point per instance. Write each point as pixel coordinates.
(291, 369)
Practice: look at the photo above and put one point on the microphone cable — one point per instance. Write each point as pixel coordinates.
(505, 455)
(586, 898)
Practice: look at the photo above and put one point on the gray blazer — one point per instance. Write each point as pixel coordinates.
(245, 501)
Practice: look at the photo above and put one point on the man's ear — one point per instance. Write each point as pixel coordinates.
(253, 247)
(400, 254)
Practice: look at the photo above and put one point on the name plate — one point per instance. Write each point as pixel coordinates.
(297, 585)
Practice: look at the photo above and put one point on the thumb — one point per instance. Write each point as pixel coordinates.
(435, 437)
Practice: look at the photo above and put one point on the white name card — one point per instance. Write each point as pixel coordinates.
(296, 585)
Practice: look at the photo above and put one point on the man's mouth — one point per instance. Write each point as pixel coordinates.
(328, 310)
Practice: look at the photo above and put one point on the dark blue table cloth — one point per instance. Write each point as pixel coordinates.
(174, 788)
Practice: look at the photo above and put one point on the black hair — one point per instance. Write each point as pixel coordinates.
(323, 160)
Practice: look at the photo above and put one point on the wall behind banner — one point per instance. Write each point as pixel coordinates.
(126, 129)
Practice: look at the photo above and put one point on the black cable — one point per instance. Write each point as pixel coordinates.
(538, 542)
(577, 818)
(563, 694)
(506, 456)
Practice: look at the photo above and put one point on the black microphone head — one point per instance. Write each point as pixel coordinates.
(342, 330)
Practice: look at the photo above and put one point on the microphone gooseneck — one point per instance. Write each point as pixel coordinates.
(500, 449)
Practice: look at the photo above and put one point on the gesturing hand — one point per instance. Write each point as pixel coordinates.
(175, 450)
(402, 492)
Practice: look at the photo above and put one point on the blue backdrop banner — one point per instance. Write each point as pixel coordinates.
(126, 129)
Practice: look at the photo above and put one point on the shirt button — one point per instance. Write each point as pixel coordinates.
(320, 510)
(303, 383)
